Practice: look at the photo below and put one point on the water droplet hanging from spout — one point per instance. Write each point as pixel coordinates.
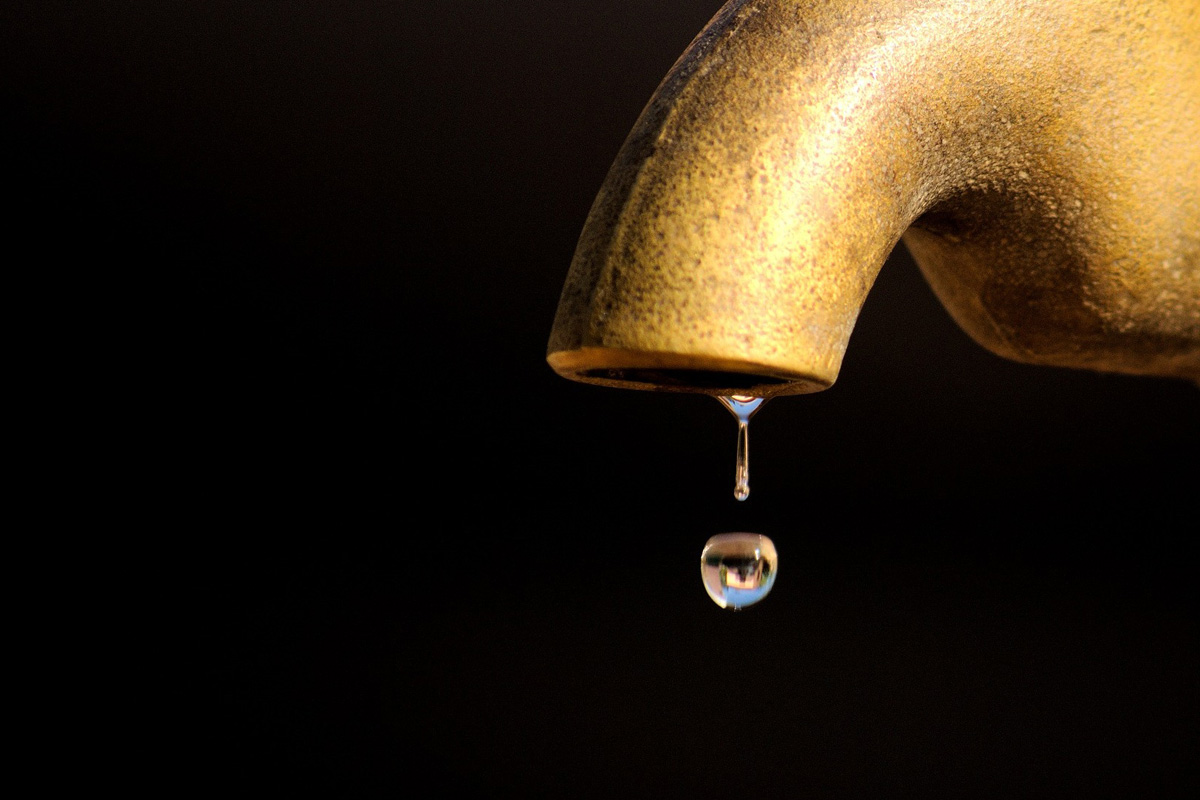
(742, 406)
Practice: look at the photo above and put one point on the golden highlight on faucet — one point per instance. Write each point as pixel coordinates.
(1039, 159)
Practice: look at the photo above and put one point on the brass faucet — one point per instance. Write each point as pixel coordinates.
(1040, 159)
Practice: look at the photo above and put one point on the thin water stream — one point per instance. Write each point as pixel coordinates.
(742, 406)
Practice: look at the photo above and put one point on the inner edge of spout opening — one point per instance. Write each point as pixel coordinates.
(674, 372)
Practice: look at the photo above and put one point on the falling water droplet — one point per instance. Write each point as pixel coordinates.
(742, 406)
(738, 569)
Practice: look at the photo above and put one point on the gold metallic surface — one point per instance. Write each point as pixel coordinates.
(1040, 160)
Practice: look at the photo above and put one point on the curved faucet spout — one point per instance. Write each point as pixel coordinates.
(1040, 159)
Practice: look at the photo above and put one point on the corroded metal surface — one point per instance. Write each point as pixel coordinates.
(1040, 160)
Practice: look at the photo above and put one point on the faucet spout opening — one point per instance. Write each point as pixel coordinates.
(674, 372)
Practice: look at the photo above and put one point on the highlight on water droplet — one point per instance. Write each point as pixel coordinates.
(738, 569)
(742, 406)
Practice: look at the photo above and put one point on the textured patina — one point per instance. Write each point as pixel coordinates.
(1040, 160)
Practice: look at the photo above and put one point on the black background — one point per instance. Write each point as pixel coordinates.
(313, 252)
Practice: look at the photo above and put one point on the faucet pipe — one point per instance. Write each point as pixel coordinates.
(1040, 160)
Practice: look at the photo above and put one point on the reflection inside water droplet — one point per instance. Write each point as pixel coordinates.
(738, 569)
(742, 406)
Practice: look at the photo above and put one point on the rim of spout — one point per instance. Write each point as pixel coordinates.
(676, 372)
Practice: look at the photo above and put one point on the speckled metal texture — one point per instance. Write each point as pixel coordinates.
(1040, 160)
